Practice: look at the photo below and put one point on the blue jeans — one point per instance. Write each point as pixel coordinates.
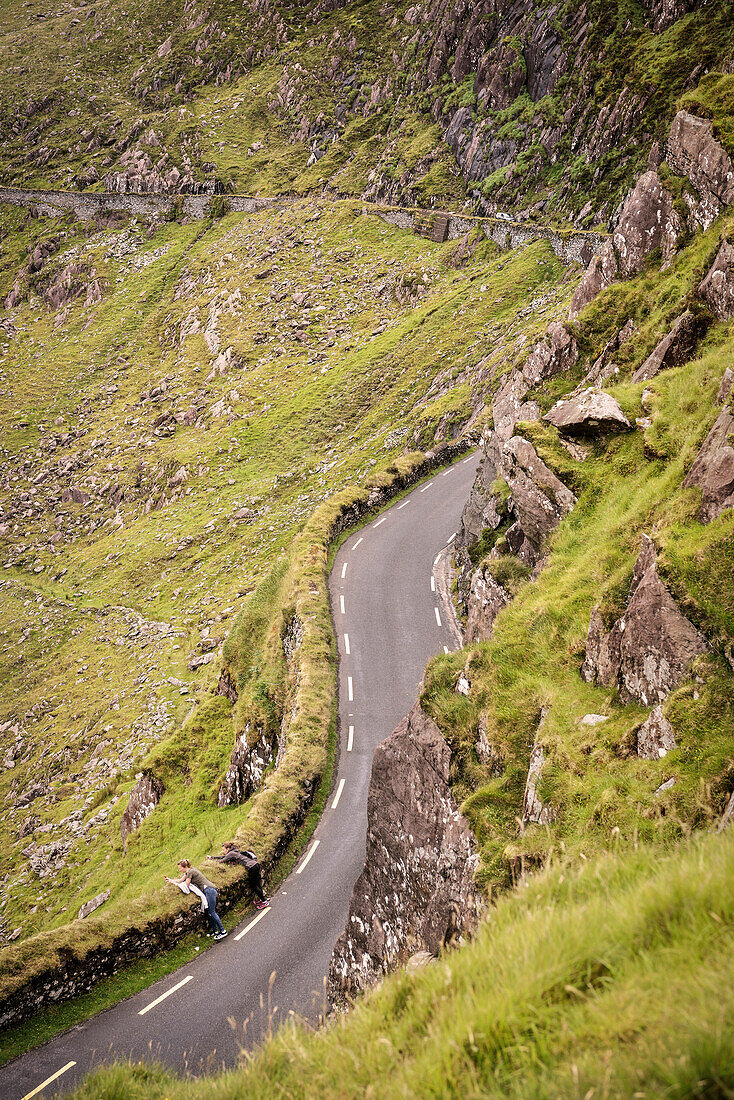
(211, 900)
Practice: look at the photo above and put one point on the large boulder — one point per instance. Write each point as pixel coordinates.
(676, 348)
(694, 152)
(588, 413)
(486, 599)
(717, 288)
(540, 499)
(649, 649)
(416, 891)
(648, 220)
(713, 469)
(144, 797)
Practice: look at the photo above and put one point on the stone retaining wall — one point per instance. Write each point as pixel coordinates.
(578, 248)
(85, 204)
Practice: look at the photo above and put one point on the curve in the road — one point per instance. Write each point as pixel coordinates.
(389, 620)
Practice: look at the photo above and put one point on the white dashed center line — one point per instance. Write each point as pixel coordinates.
(48, 1080)
(427, 487)
(253, 922)
(433, 584)
(157, 1001)
(344, 569)
(379, 521)
(350, 742)
(357, 543)
(346, 644)
(313, 848)
(438, 617)
(403, 505)
(341, 604)
(350, 689)
(338, 794)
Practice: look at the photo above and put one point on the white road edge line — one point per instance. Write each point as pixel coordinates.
(338, 794)
(446, 473)
(428, 486)
(314, 846)
(438, 617)
(344, 569)
(252, 924)
(433, 584)
(350, 689)
(157, 1001)
(346, 644)
(403, 505)
(446, 649)
(437, 559)
(469, 459)
(350, 742)
(341, 604)
(451, 537)
(49, 1080)
(379, 521)
(357, 543)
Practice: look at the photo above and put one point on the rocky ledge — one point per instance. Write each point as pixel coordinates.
(416, 891)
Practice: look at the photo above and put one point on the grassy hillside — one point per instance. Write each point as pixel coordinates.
(336, 338)
(627, 485)
(610, 978)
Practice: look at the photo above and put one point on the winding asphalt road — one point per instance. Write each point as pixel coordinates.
(389, 620)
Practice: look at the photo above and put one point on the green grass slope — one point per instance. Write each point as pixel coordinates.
(611, 979)
(626, 486)
(336, 335)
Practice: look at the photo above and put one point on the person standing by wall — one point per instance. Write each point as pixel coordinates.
(248, 860)
(191, 876)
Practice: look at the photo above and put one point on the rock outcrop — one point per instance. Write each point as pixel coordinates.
(648, 650)
(676, 348)
(416, 891)
(555, 353)
(655, 737)
(694, 152)
(713, 469)
(247, 765)
(534, 810)
(540, 499)
(588, 413)
(144, 797)
(648, 220)
(717, 288)
(486, 599)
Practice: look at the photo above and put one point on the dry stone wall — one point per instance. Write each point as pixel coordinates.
(578, 248)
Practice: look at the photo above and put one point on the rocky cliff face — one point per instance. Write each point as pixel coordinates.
(416, 891)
